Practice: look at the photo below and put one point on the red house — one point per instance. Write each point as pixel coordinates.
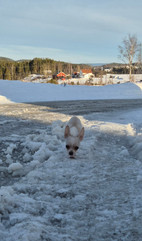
(86, 71)
(61, 75)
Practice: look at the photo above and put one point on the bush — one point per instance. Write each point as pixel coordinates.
(53, 81)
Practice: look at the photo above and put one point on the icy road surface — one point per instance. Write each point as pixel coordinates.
(45, 196)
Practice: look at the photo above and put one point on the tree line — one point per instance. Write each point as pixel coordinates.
(130, 52)
(17, 70)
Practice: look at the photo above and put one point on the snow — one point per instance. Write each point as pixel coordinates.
(17, 91)
(4, 100)
(45, 195)
(14, 167)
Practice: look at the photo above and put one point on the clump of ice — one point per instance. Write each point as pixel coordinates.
(58, 129)
(43, 153)
(9, 159)
(27, 157)
(124, 152)
(11, 148)
(14, 167)
(137, 146)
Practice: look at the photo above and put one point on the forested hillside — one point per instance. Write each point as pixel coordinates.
(15, 70)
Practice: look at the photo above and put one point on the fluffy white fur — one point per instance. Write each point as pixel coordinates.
(74, 133)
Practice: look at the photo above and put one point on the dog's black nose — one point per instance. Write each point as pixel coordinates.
(71, 153)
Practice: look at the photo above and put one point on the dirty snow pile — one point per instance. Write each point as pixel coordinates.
(45, 195)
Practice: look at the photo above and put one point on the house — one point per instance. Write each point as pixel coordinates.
(86, 73)
(108, 70)
(76, 75)
(61, 75)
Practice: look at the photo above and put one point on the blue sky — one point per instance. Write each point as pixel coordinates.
(77, 31)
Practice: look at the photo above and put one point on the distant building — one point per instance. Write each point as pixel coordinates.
(61, 75)
(76, 75)
(86, 73)
(108, 70)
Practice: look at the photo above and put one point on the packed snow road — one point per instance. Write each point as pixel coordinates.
(44, 195)
(91, 106)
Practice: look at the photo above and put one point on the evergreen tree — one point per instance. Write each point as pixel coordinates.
(1, 73)
(7, 74)
(16, 70)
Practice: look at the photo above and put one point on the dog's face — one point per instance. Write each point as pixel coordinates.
(72, 145)
(73, 142)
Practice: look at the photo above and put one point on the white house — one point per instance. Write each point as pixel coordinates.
(86, 73)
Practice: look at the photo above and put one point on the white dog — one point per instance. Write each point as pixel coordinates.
(74, 133)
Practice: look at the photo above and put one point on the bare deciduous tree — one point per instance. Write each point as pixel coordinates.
(128, 51)
(140, 59)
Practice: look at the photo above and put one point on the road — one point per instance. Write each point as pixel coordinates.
(47, 112)
(49, 196)
(69, 107)
(90, 106)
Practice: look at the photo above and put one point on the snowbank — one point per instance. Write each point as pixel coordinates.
(139, 84)
(18, 91)
(4, 100)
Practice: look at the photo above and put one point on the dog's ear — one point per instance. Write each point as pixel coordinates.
(67, 132)
(81, 134)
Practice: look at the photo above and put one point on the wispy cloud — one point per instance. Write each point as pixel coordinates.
(29, 52)
(92, 29)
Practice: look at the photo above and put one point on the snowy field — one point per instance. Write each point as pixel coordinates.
(17, 91)
(45, 195)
